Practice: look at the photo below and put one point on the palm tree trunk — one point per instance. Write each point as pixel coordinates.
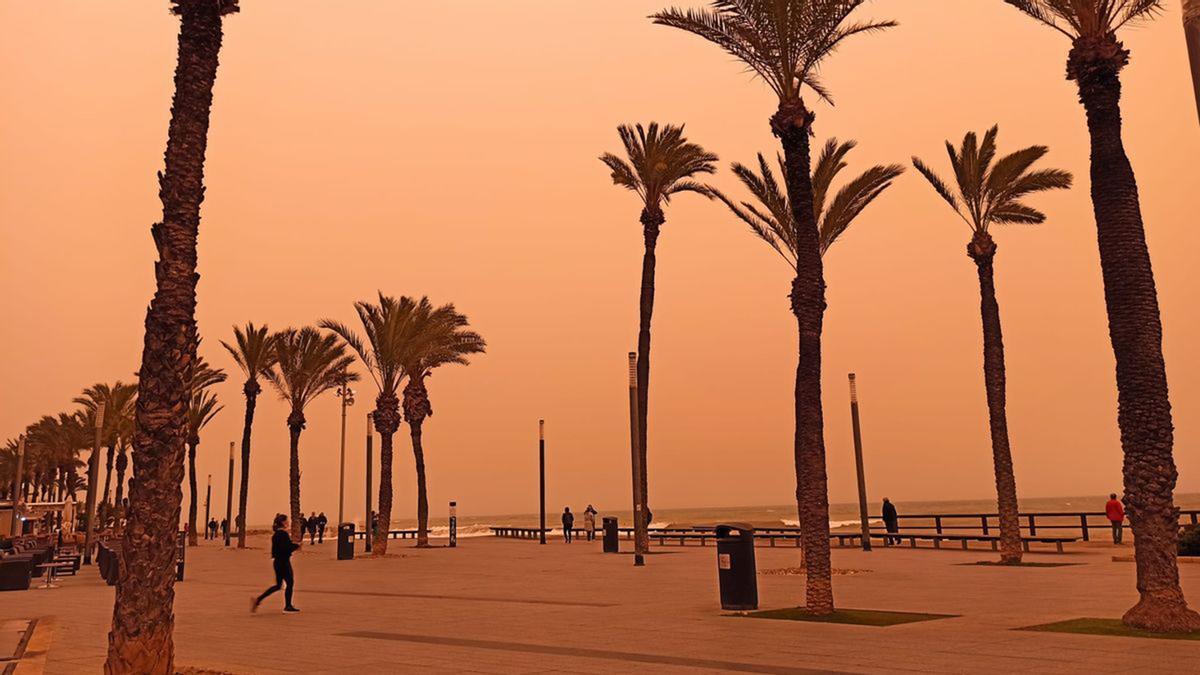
(1191, 29)
(108, 469)
(792, 124)
(141, 640)
(387, 421)
(983, 251)
(122, 464)
(295, 426)
(1143, 406)
(422, 497)
(251, 389)
(651, 219)
(191, 451)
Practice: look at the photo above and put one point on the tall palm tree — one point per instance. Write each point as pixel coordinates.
(387, 327)
(254, 352)
(770, 219)
(784, 42)
(115, 398)
(1191, 29)
(125, 429)
(201, 410)
(141, 640)
(658, 163)
(1094, 63)
(307, 364)
(438, 337)
(986, 194)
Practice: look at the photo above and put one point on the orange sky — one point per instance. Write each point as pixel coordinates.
(451, 151)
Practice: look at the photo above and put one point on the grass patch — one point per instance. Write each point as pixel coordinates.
(858, 617)
(1088, 626)
(996, 563)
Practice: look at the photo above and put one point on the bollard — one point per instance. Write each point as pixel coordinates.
(453, 524)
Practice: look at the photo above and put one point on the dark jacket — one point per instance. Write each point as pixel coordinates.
(568, 520)
(889, 513)
(282, 546)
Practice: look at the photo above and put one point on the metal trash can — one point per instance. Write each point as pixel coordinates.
(736, 571)
(611, 545)
(345, 542)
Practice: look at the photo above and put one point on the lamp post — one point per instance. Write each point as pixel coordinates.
(207, 501)
(345, 393)
(229, 499)
(542, 481)
(367, 517)
(93, 479)
(858, 465)
(16, 488)
(639, 522)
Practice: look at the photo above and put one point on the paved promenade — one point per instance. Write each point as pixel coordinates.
(502, 606)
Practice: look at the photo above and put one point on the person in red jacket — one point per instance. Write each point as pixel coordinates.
(1116, 515)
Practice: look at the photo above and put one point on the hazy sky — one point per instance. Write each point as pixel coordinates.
(449, 149)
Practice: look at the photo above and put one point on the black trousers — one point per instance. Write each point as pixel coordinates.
(283, 574)
(1117, 529)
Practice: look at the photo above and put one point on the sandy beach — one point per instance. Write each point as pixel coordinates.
(505, 606)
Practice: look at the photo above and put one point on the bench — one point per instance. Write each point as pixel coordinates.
(965, 539)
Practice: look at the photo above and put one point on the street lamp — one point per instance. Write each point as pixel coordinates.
(367, 514)
(640, 539)
(345, 393)
(93, 480)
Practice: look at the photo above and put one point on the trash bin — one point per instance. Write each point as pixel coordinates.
(611, 545)
(735, 566)
(345, 541)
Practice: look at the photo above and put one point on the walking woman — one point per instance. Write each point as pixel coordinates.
(282, 548)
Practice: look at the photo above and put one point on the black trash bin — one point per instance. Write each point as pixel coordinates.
(345, 541)
(735, 566)
(611, 545)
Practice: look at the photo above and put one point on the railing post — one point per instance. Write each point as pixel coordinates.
(983, 521)
(1032, 526)
(937, 523)
(1083, 525)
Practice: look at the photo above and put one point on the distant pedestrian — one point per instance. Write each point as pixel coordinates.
(312, 528)
(303, 527)
(891, 521)
(649, 517)
(224, 527)
(1115, 511)
(282, 548)
(568, 521)
(322, 523)
(589, 522)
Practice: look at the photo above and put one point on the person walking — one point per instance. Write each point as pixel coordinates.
(322, 523)
(224, 527)
(1115, 511)
(568, 521)
(282, 548)
(589, 522)
(891, 521)
(312, 528)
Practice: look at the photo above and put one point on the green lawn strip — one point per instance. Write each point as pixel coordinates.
(1089, 626)
(858, 617)
(996, 563)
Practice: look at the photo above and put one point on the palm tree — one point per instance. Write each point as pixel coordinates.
(438, 337)
(307, 364)
(658, 164)
(784, 42)
(143, 624)
(254, 353)
(125, 428)
(1094, 63)
(1191, 29)
(771, 218)
(388, 328)
(115, 398)
(202, 409)
(986, 194)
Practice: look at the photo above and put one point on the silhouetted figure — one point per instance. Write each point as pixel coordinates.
(212, 528)
(589, 522)
(1115, 511)
(568, 521)
(303, 527)
(312, 528)
(282, 548)
(224, 527)
(891, 521)
(322, 523)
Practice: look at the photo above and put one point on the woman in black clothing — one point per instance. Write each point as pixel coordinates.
(282, 548)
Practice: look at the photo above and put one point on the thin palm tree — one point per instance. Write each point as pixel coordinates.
(438, 337)
(770, 218)
(307, 364)
(784, 42)
(1094, 63)
(115, 398)
(658, 163)
(142, 636)
(1191, 30)
(387, 327)
(986, 194)
(125, 429)
(201, 410)
(254, 352)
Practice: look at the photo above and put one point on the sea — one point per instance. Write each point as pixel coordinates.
(842, 515)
